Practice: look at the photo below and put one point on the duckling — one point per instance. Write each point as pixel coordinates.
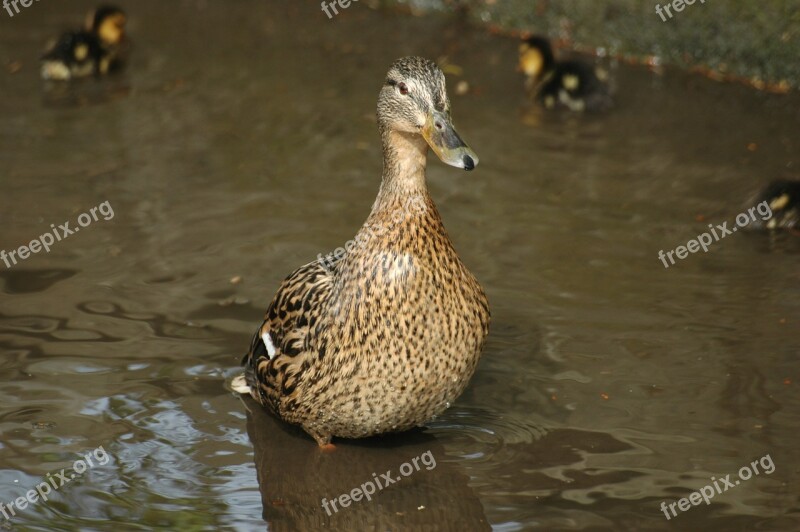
(574, 85)
(783, 198)
(95, 50)
(387, 335)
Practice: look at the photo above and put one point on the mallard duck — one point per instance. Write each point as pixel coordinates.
(95, 50)
(783, 198)
(575, 85)
(385, 336)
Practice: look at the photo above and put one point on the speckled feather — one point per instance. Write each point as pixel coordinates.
(390, 335)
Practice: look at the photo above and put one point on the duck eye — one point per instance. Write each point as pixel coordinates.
(403, 88)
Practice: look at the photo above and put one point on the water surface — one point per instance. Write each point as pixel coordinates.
(241, 142)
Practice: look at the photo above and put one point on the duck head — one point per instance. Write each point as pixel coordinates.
(535, 57)
(414, 101)
(108, 23)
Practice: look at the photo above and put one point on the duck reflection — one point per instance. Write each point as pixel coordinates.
(425, 491)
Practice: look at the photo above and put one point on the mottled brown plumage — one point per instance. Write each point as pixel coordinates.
(387, 336)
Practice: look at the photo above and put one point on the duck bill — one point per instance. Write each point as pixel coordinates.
(444, 140)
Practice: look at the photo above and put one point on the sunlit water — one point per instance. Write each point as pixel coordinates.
(241, 142)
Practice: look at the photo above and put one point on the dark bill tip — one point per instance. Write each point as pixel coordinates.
(469, 164)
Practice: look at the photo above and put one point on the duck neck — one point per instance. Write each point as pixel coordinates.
(404, 160)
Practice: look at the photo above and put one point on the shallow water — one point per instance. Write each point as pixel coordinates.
(241, 142)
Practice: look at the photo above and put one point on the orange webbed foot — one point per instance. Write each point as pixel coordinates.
(327, 447)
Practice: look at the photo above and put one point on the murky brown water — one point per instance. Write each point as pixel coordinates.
(241, 142)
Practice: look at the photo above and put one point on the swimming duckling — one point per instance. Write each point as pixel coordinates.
(783, 198)
(387, 335)
(96, 50)
(575, 85)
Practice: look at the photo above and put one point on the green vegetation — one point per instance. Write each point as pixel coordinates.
(755, 40)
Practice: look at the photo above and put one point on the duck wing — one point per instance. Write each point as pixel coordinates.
(285, 341)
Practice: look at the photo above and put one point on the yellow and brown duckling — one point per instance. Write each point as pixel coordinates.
(783, 198)
(95, 50)
(385, 336)
(574, 85)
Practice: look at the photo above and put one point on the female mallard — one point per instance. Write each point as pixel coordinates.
(385, 336)
(575, 85)
(96, 50)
